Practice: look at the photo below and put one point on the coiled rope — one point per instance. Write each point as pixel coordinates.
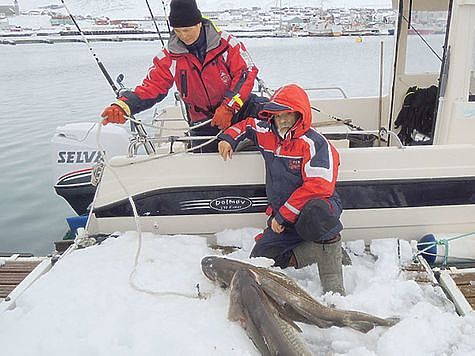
(138, 252)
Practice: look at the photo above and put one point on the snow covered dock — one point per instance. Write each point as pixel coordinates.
(86, 306)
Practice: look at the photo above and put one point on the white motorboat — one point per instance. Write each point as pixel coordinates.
(388, 188)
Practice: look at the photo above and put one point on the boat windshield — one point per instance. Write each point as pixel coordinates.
(429, 27)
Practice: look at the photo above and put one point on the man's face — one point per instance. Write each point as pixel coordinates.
(188, 35)
(284, 121)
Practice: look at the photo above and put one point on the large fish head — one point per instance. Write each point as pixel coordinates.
(220, 269)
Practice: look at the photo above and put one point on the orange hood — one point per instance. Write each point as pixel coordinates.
(290, 98)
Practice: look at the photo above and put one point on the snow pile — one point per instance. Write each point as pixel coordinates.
(86, 306)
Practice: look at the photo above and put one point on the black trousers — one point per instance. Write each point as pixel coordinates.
(319, 221)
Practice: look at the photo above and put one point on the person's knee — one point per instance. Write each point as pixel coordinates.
(277, 253)
(263, 244)
(275, 246)
(319, 221)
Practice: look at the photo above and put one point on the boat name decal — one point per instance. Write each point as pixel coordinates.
(230, 203)
(79, 156)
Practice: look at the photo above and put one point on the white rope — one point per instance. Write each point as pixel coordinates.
(157, 127)
(158, 156)
(133, 273)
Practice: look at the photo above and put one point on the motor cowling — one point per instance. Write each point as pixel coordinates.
(75, 152)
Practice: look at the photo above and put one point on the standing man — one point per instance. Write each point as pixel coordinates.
(211, 69)
(301, 171)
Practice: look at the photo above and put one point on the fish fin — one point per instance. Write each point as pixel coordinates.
(361, 326)
(302, 317)
(290, 322)
(281, 311)
(255, 275)
(366, 326)
(236, 308)
(235, 312)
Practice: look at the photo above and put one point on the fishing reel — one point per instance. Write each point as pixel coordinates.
(139, 135)
(122, 87)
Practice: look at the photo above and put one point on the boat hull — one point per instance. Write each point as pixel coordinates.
(390, 192)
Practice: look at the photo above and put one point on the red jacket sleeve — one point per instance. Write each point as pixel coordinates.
(319, 173)
(243, 73)
(154, 87)
(239, 131)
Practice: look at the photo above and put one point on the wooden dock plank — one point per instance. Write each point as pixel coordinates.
(12, 277)
(465, 281)
(12, 273)
(6, 290)
(467, 290)
(463, 278)
(19, 265)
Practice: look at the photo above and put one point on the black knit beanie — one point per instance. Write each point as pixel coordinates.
(184, 13)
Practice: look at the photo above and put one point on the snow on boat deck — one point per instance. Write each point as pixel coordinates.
(86, 306)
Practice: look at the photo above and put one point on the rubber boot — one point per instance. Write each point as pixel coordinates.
(306, 254)
(330, 267)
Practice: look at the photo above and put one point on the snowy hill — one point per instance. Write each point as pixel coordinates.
(138, 8)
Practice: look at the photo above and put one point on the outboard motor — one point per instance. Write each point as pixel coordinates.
(74, 153)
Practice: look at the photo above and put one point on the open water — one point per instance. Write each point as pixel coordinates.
(44, 86)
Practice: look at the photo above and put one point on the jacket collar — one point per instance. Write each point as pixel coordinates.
(213, 39)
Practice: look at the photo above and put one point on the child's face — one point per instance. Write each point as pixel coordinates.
(284, 121)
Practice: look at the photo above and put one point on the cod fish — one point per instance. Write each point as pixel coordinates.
(257, 314)
(291, 299)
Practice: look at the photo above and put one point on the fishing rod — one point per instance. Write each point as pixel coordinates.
(135, 126)
(336, 118)
(98, 61)
(155, 23)
(166, 16)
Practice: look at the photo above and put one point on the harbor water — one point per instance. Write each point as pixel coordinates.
(44, 86)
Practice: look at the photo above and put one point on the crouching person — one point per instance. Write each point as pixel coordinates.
(301, 171)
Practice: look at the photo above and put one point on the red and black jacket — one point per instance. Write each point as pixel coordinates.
(226, 76)
(301, 166)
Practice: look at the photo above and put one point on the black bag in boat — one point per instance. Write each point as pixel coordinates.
(416, 118)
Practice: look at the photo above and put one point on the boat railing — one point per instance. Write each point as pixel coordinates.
(339, 89)
(381, 133)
